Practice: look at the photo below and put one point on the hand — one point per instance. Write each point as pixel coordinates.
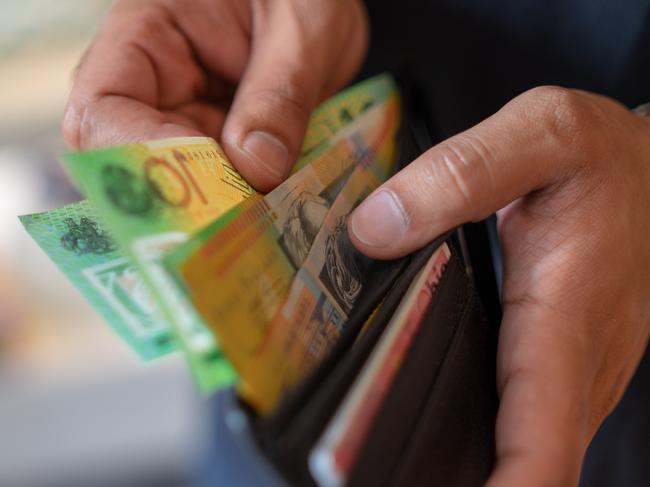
(161, 68)
(571, 171)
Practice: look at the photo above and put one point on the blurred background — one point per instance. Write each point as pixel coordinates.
(76, 406)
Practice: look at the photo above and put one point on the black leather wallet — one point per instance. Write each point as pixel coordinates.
(435, 426)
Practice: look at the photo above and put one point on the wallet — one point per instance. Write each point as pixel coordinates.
(434, 423)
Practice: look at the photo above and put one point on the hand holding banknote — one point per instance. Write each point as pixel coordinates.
(162, 68)
(571, 170)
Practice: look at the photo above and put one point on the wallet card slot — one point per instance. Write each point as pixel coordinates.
(453, 440)
(398, 417)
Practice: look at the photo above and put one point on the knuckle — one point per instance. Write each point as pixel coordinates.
(71, 125)
(461, 168)
(563, 114)
(148, 22)
(151, 23)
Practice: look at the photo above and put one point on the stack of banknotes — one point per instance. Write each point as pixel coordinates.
(179, 253)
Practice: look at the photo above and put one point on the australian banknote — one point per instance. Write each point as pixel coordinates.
(243, 265)
(76, 239)
(153, 196)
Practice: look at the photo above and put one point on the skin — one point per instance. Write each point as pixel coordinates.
(568, 171)
(222, 68)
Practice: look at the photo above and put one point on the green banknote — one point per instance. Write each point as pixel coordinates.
(337, 112)
(153, 196)
(74, 237)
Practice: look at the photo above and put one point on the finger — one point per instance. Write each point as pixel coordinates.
(531, 143)
(114, 120)
(288, 72)
(544, 421)
(138, 60)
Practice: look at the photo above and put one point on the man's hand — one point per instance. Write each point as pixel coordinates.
(247, 72)
(571, 173)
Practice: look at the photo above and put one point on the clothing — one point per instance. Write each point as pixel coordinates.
(472, 56)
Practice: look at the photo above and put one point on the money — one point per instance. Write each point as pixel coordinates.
(335, 453)
(316, 307)
(342, 109)
(247, 259)
(325, 123)
(75, 238)
(322, 293)
(150, 195)
(153, 196)
(245, 263)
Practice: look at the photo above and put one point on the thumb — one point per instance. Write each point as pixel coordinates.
(285, 78)
(531, 143)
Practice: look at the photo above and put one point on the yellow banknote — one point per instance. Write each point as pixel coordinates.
(241, 274)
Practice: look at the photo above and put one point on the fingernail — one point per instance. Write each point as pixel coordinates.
(380, 220)
(268, 151)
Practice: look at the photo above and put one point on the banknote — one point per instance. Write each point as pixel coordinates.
(322, 293)
(315, 309)
(246, 259)
(340, 110)
(75, 238)
(329, 118)
(335, 453)
(152, 196)
(245, 263)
